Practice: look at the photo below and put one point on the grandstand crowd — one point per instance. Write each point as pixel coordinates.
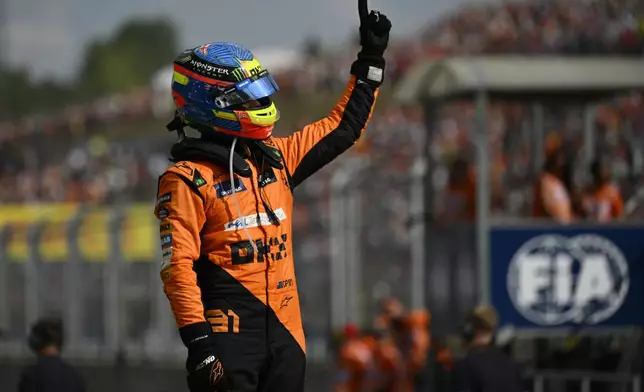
(70, 158)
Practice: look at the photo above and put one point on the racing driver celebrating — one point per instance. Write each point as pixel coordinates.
(225, 209)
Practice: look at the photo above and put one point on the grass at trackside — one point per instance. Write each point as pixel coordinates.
(293, 110)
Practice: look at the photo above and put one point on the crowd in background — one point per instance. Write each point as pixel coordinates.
(557, 27)
(551, 27)
(69, 158)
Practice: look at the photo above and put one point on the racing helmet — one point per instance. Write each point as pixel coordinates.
(221, 87)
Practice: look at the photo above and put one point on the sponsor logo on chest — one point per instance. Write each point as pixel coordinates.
(267, 178)
(166, 241)
(224, 188)
(254, 220)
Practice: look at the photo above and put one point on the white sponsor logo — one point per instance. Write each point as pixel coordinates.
(206, 362)
(167, 257)
(553, 279)
(209, 68)
(253, 221)
(165, 198)
(375, 74)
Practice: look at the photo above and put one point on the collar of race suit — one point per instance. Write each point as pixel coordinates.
(217, 150)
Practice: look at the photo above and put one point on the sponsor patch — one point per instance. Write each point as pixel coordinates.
(375, 74)
(184, 59)
(165, 228)
(166, 258)
(198, 179)
(224, 189)
(208, 68)
(165, 198)
(166, 241)
(163, 212)
(267, 178)
(166, 273)
(253, 221)
(285, 301)
(284, 284)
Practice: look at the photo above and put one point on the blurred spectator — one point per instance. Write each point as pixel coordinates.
(460, 201)
(390, 365)
(444, 365)
(50, 373)
(418, 345)
(391, 311)
(551, 196)
(602, 201)
(356, 361)
(485, 368)
(444, 356)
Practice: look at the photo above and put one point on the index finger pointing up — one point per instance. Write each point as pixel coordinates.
(363, 9)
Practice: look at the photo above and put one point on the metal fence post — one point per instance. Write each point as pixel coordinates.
(354, 263)
(32, 284)
(538, 140)
(337, 233)
(637, 383)
(483, 196)
(417, 233)
(538, 384)
(5, 322)
(112, 287)
(585, 384)
(73, 278)
(346, 258)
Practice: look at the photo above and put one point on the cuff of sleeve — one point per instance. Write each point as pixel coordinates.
(369, 69)
(193, 334)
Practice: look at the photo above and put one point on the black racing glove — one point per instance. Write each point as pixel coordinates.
(205, 370)
(374, 38)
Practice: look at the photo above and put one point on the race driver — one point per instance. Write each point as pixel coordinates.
(225, 210)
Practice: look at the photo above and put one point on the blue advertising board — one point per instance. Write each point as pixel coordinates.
(553, 277)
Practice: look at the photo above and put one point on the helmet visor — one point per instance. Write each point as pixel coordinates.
(256, 87)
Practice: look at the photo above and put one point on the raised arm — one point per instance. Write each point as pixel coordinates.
(317, 144)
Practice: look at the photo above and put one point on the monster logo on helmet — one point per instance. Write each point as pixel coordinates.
(213, 91)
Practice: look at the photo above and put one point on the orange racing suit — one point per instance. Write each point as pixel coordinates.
(212, 276)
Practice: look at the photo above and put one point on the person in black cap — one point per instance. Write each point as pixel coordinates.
(485, 368)
(50, 373)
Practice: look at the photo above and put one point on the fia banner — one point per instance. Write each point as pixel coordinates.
(568, 276)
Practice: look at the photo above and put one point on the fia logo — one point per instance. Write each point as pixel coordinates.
(554, 279)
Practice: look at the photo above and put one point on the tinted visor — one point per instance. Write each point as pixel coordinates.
(256, 87)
